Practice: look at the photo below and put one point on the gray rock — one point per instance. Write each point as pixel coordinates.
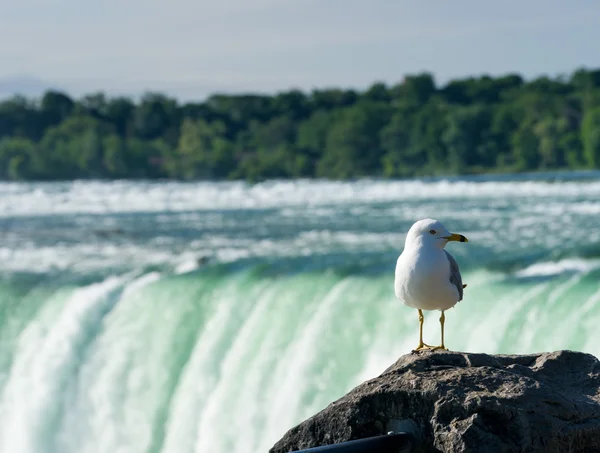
(470, 403)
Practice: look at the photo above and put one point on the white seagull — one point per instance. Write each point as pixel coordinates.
(427, 276)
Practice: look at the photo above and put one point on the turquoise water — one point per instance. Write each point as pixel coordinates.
(173, 317)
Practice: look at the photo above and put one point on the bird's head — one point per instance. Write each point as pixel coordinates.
(430, 231)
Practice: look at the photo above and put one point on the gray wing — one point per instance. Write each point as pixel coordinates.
(455, 277)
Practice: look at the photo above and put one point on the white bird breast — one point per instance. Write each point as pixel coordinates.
(423, 279)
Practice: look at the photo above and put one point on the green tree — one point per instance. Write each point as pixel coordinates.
(463, 137)
(19, 117)
(156, 117)
(585, 80)
(294, 105)
(395, 139)
(94, 105)
(72, 149)
(551, 151)
(120, 113)
(145, 158)
(312, 133)
(352, 148)
(414, 90)
(15, 155)
(590, 136)
(427, 149)
(413, 128)
(202, 151)
(115, 156)
(571, 145)
(333, 99)
(55, 107)
(378, 92)
(525, 147)
(193, 151)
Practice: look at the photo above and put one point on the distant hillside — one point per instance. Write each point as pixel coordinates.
(23, 85)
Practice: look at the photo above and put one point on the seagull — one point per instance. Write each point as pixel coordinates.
(427, 276)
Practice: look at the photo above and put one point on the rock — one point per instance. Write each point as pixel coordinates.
(463, 402)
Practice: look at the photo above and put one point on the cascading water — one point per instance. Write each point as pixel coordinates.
(211, 317)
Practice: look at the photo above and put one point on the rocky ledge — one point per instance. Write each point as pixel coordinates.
(463, 402)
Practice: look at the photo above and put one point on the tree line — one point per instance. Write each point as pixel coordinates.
(413, 128)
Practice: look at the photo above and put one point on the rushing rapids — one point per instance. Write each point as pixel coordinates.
(175, 317)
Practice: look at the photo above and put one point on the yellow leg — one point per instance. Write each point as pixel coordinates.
(421, 344)
(442, 320)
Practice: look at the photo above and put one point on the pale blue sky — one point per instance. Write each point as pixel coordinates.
(190, 48)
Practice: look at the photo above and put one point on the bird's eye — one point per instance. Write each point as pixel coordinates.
(432, 231)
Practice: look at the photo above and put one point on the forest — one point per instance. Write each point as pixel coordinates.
(409, 129)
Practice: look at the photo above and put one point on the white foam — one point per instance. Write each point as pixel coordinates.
(47, 355)
(190, 397)
(292, 371)
(93, 197)
(187, 266)
(231, 368)
(546, 269)
(140, 282)
(82, 257)
(331, 216)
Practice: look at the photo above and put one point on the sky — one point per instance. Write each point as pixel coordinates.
(192, 48)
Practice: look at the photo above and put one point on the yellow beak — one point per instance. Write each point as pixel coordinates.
(457, 237)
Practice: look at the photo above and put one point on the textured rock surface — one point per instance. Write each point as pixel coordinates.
(470, 402)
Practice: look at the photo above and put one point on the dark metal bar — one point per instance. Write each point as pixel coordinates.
(390, 443)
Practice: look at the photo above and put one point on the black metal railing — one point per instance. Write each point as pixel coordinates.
(389, 443)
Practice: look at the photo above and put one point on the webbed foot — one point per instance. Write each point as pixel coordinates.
(423, 347)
